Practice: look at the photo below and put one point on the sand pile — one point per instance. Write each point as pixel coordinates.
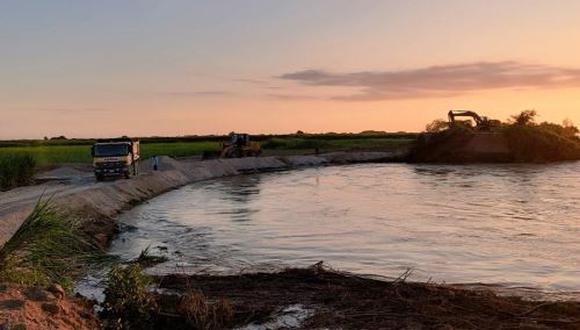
(39, 309)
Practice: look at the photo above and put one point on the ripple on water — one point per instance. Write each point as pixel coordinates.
(515, 225)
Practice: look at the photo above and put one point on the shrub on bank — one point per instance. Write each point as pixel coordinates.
(129, 304)
(541, 143)
(16, 170)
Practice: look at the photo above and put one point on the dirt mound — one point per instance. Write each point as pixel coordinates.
(39, 309)
(462, 146)
(510, 143)
(343, 301)
(64, 173)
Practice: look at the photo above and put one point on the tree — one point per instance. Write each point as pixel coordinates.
(570, 128)
(524, 118)
(437, 126)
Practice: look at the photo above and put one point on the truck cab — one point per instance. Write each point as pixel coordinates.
(115, 158)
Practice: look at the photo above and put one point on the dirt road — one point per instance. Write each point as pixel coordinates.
(77, 192)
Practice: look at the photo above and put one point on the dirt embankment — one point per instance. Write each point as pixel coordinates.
(512, 143)
(38, 309)
(462, 147)
(317, 298)
(97, 204)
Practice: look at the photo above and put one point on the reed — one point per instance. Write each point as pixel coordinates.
(49, 247)
(16, 170)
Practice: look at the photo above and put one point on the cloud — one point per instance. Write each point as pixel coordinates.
(73, 110)
(293, 97)
(440, 81)
(251, 81)
(201, 93)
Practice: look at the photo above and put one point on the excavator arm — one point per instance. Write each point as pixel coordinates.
(482, 123)
(453, 114)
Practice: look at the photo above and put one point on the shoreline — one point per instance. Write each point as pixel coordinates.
(257, 298)
(97, 205)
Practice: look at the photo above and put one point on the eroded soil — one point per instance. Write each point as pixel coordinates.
(345, 301)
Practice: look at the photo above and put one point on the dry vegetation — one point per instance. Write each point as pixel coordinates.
(346, 301)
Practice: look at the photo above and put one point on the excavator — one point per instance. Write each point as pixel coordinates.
(240, 146)
(481, 123)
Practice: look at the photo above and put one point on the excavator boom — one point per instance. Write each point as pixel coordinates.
(482, 123)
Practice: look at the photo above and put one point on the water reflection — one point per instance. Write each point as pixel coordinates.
(516, 225)
(238, 193)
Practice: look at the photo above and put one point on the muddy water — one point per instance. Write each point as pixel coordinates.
(512, 225)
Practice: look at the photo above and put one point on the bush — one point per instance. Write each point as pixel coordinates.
(541, 143)
(524, 118)
(436, 126)
(16, 170)
(128, 304)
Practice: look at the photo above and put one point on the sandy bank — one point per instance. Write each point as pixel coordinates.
(97, 204)
(34, 308)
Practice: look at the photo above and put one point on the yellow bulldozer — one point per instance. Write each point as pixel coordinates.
(240, 146)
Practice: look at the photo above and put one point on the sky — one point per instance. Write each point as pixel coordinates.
(105, 68)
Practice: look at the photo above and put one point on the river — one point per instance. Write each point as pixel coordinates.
(508, 225)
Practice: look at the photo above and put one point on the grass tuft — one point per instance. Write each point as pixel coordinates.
(49, 247)
(146, 259)
(200, 314)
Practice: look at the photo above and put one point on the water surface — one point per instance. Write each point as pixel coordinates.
(512, 225)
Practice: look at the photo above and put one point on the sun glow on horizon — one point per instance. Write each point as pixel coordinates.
(170, 68)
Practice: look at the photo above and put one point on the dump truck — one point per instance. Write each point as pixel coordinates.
(115, 158)
(240, 146)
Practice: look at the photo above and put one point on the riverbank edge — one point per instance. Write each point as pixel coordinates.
(97, 205)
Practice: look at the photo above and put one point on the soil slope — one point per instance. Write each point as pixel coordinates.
(38, 309)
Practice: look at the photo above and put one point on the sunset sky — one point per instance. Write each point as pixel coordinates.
(179, 67)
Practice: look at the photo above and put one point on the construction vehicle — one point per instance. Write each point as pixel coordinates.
(115, 158)
(240, 146)
(481, 123)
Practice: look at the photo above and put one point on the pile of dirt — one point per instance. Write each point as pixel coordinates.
(35, 308)
(343, 301)
(461, 146)
(64, 173)
(509, 143)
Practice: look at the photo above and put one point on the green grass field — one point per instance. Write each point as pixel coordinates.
(49, 155)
